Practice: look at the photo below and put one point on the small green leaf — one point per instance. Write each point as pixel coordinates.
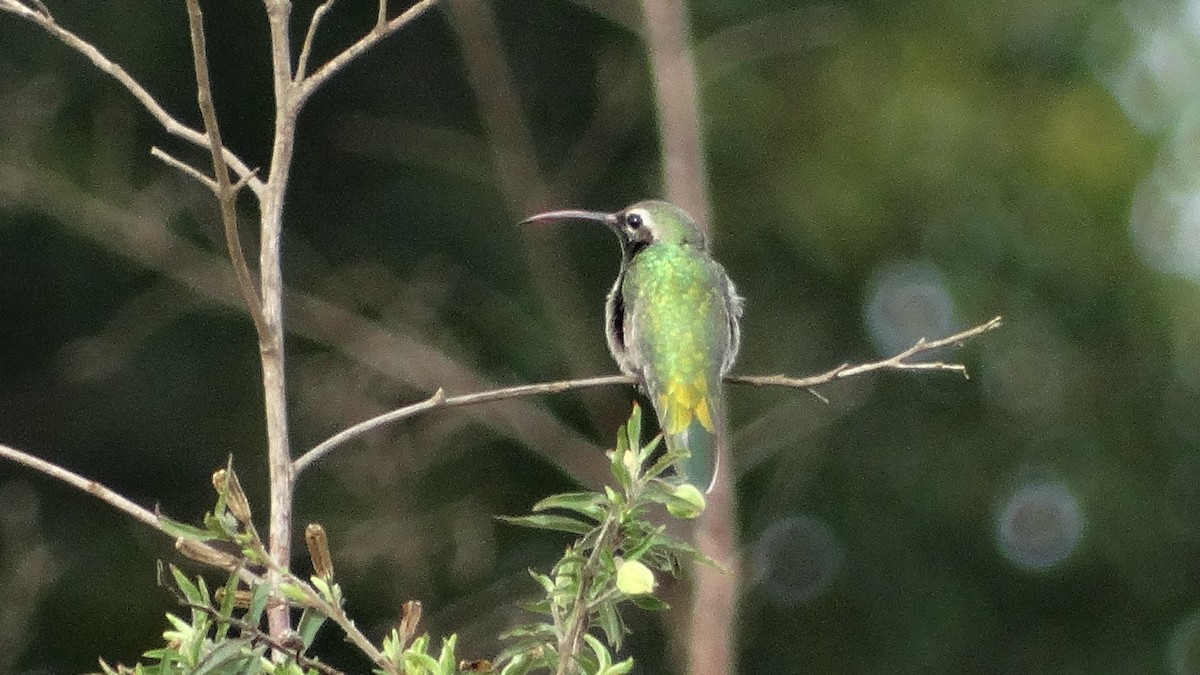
(544, 581)
(180, 530)
(447, 663)
(589, 504)
(323, 590)
(610, 622)
(258, 603)
(633, 428)
(418, 663)
(649, 602)
(518, 666)
(190, 591)
(603, 658)
(547, 521)
(621, 668)
(310, 622)
(226, 609)
(686, 503)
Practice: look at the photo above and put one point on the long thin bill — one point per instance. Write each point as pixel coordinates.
(569, 214)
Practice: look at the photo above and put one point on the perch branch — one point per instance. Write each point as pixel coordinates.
(439, 399)
(42, 18)
(897, 362)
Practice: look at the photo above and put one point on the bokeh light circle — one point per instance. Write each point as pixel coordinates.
(796, 559)
(908, 300)
(1039, 526)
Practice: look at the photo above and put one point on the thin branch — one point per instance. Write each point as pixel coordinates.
(439, 399)
(381, 30)
(225, 192)
(306, 49)
(150, 518)
(86, 485)
(170, 124)
(112, 498)
(897, 362)
(171, 161)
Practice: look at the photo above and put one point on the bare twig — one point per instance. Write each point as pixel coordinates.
(110, 497)
(150, 518)
(306, 49)
(89, 486)
(439, 399)
(377, 33)
(898, 362)
(225, 192)
(173, 126)
(171, 161)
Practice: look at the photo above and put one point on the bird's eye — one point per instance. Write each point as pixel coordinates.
(633, 221)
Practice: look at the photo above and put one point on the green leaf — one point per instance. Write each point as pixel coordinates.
(621, 668)
(190, 591)
(226, 609)
(229, 656)
(180, 530)
(323, 590)
(589, 504)
(664, 461)
(447, 662)
(258, 603)
(610, 622)
(603, 658)
(518, 666)
(544, 581)
(620, 470)
(534, 630)
(417, 663)
(649, 602)
(310, 622)
(547, 521)
(633, 428)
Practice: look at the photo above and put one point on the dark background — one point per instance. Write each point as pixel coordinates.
(880, 171)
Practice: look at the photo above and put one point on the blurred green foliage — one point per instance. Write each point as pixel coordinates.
(983, 152)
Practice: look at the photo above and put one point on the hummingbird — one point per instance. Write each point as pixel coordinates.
(671, 321)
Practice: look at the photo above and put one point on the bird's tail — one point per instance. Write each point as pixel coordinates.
(696, 425)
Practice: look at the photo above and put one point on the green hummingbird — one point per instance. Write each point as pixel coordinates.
(672, 324)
